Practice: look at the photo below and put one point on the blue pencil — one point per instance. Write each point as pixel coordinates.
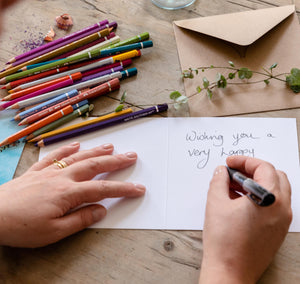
(36, 65)
(117, 50)
(46, 104)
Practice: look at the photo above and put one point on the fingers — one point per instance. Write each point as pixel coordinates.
(105, 149)
(78, 220)
(58, 154)
(219, 184)
(96, 190)
(89, 168)
(93, 191)
(262, 172)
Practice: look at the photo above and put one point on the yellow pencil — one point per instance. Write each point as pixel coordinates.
(81, 124)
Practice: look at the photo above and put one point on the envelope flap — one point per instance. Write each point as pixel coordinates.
(241, 28)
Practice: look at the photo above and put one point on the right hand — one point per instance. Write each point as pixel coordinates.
(241, 238)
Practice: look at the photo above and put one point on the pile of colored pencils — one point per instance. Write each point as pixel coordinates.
(52, 84)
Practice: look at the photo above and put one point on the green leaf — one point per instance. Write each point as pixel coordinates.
(209, 93)
(175, 95)
(245, 73)
(231, 75)
(198, 89)
(231, 63)
(122, 100)
(273, 66)
(267, 82)
(187, 74)
(211, 66)
(293, 80)
(205, 83)
(180, 101)
(119, 108)
(221, 81)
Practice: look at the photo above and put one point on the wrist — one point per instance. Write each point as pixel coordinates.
(222, 273)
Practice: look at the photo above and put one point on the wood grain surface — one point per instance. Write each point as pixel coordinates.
(125, 256)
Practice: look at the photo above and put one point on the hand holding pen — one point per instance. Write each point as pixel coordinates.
(234, 223)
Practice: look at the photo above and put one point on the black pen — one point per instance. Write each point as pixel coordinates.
(256, 192)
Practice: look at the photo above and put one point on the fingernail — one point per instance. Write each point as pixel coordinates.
(140, 187)
(98, 213)
(74, 144)
(107, 146)
(131, 155)
(218, 170)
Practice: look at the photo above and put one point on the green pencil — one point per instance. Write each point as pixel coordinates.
(76, 113)
(138, 38)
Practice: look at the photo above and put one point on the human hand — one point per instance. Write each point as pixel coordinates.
(241, 238)
(35, 207)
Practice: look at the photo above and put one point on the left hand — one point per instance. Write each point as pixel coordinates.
(35, 207)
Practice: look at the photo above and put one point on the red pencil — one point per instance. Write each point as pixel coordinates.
(35, 126)
(102, 89)
(16, 83)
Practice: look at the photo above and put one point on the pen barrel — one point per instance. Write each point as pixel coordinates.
(258, 193)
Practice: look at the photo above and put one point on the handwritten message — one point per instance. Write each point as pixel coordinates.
(202, 144)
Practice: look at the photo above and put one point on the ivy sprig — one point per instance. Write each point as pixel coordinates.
(222, 80)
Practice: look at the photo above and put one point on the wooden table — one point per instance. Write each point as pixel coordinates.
(126, 256)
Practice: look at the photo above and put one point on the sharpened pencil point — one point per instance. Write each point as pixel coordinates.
(23, 122)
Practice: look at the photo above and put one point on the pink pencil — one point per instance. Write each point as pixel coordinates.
(38, 92)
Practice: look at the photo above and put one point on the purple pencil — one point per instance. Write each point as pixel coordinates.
(100, 74)
(111, 35)
(103, 124)
(63, 43)
(53, 43)
(53, 87)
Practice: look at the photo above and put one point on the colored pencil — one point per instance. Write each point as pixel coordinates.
(90, 94)
(46, 104)
(62, 40)
(27, 67)
(86, 70)
(39, 115)
(100, 74)
(16, 66)
(38, 76)
(75, 77)
(29, 129)
(81, 124)
(117, 50)
(101, 42)
(37, 93)
(55, 124)
(61, 50)
(62, 62)
(102, 125)
(41, 98)
(135, 39)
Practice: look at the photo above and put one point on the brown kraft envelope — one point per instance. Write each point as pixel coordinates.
(251, 39)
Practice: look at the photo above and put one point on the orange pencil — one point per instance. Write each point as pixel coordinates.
(75, 76)
(35, 126)
(99, 90)
(31, 78)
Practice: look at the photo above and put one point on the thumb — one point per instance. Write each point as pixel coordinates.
(219, 184)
